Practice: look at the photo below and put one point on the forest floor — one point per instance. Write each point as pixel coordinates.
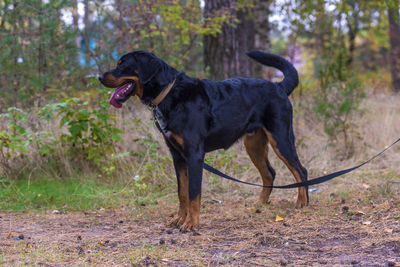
(362, 229)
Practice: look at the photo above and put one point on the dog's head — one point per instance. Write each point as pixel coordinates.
(133, 72)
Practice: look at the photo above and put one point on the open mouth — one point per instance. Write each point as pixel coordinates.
(121, 94)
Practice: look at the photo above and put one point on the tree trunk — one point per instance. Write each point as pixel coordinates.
(86, 35)
(394, 33)
(353, 23)
(75, 23)
(119, 22)
(319, 36)
(15, 55)
(75, 15)
(224, 54)
(41, 56)
(262, 41)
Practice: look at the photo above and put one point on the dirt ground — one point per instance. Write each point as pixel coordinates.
(232, 233)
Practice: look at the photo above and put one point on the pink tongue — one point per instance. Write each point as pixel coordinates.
(120, 95)
(114, 102)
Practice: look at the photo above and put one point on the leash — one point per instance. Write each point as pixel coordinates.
(162, 127)
(314, 181)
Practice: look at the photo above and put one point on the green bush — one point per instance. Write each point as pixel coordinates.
(89, 135)
(337, 99)
(85, 135)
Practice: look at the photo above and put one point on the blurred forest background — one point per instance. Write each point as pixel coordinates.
(56, 123)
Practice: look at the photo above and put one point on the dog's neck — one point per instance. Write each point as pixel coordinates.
(162, 94)
(160, 86)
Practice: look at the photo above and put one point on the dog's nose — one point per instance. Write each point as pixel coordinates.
(101, 77)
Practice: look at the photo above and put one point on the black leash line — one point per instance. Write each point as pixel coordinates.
(161, 125)
(305, 183)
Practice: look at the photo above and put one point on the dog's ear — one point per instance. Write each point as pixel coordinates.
(148, 66)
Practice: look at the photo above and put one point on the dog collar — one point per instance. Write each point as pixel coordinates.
(163, 94)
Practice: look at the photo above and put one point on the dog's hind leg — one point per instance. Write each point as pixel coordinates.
(282, 139)
(257, 148)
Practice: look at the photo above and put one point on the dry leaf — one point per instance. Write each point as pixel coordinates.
(367, 222)
(278, 218)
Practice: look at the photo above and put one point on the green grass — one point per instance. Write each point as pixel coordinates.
(75, 194)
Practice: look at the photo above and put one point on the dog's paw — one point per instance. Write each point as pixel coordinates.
(188, 225)
(177, 221)
(302, 198)
(301, 203)
(262, 201)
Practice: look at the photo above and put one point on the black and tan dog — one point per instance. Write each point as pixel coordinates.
(197, 116)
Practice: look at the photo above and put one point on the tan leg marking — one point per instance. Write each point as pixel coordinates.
(183, 196)
(193, 215)
(302, 195)
(256, 147)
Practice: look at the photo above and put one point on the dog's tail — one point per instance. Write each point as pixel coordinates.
(291, 78)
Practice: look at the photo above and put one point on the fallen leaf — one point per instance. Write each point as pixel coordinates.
(390, 231)
(278, 218)
(366, 186)
(367, 222)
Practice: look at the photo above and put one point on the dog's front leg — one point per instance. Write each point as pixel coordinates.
(195, 173)
(181, 170)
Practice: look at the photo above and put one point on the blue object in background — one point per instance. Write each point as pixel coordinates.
(92, 46)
